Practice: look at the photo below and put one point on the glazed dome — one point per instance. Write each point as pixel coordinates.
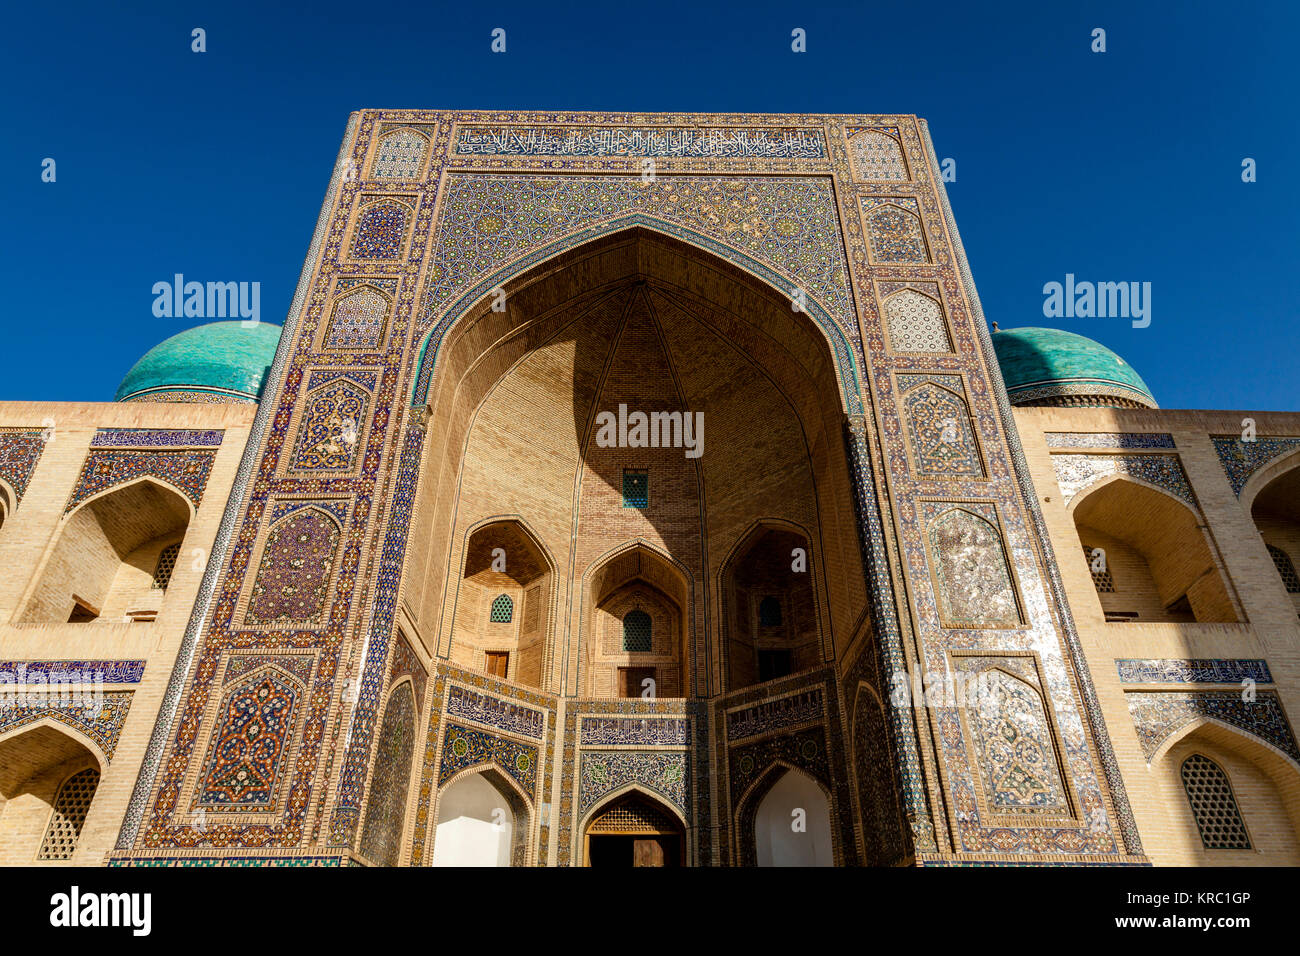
(217, 362)
(1055, 367)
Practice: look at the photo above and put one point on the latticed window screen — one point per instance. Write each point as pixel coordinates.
(636, 488)
(503, 609)
(633, 817)
(70, 809)
(1101, 579)
(636, 631)
(1286, 568)
(1214, 805)
(769, 611)
(162, 574)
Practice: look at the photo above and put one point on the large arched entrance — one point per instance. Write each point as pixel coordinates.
(635, 390)
(635, 830)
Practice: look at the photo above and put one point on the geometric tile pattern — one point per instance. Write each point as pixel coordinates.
(876, 154)
(400, 154)
(915, 320)
(358, 319)
(19, 453)
(1157, 715)
(1241, 459)
(381, 230)
(1192, 671)
(894, 231)
(1074, 473)
(186, 471)
(1213, 805)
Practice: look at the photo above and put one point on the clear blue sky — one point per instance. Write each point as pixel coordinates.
(1117, 166)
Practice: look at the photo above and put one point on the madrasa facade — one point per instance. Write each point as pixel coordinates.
(644, 489)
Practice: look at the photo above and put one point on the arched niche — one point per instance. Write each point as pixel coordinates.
(786, 817)
(634, 588)
(48, 781)
(112, 558)
(773, 617)
(502, 604)
(1264, 787)
(482, 821)
(1275, 509)
(1160, 560)
(634, 829)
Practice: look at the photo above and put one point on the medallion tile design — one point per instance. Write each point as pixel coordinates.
(19, 453)
(805, 750)
(971, 574)
(1192, 671)
(894, 230)
(1158, 715)
(939, 426)
(876, 154)
(1074, 473)
(294, 576)
(1241, 459)
(186, 471)
(605, 771)
(1108, 440)
(382, 226)
(99, 716)
(254, 724)
(329, 433)
(466, 747)
(914, 317)
(1015, 752)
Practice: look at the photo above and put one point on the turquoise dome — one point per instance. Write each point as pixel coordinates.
(1054, 367)
(218, 362)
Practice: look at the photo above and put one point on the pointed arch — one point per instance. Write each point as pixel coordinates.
(475, 808)
(400, 153)
(37, 763)
(295, 570)
(358, 318)
(630, 814)
(382, 226)
(915, 322)
(765, 819)
(390, 780)
(971, 570)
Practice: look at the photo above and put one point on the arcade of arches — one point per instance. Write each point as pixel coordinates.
(584, 518)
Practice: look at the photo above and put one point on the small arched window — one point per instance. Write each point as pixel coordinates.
(1285, 567)
(1213, 805)
(69, 816)
(503, 610)
(162, 574)
(769, 611)
(636, 631)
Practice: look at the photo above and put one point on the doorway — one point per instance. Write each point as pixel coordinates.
(635, 831)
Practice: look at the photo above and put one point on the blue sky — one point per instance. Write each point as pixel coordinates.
(1121, 166)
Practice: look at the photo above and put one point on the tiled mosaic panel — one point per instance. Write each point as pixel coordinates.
(297, 665)
(70, 672)
(382, 226)
(894, 230)
(1074, 473)
(1016, 753)
(876, 154)
(394, 750)
(1192, 671)
(666, 773)
(464, 747)
(294, 575)
(99, 715)
(407, 664)
(329, 433)
(1108, 440)
(400, 153)
(770, 716)
(494, 712)
(1241, 459)
(971, 574)
(358, 319)
(882, 830)
(914, 319)
(254, 725)
(19, 453)
(1158, 715)
(939, 426)
(635, 731)
(187, 471)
